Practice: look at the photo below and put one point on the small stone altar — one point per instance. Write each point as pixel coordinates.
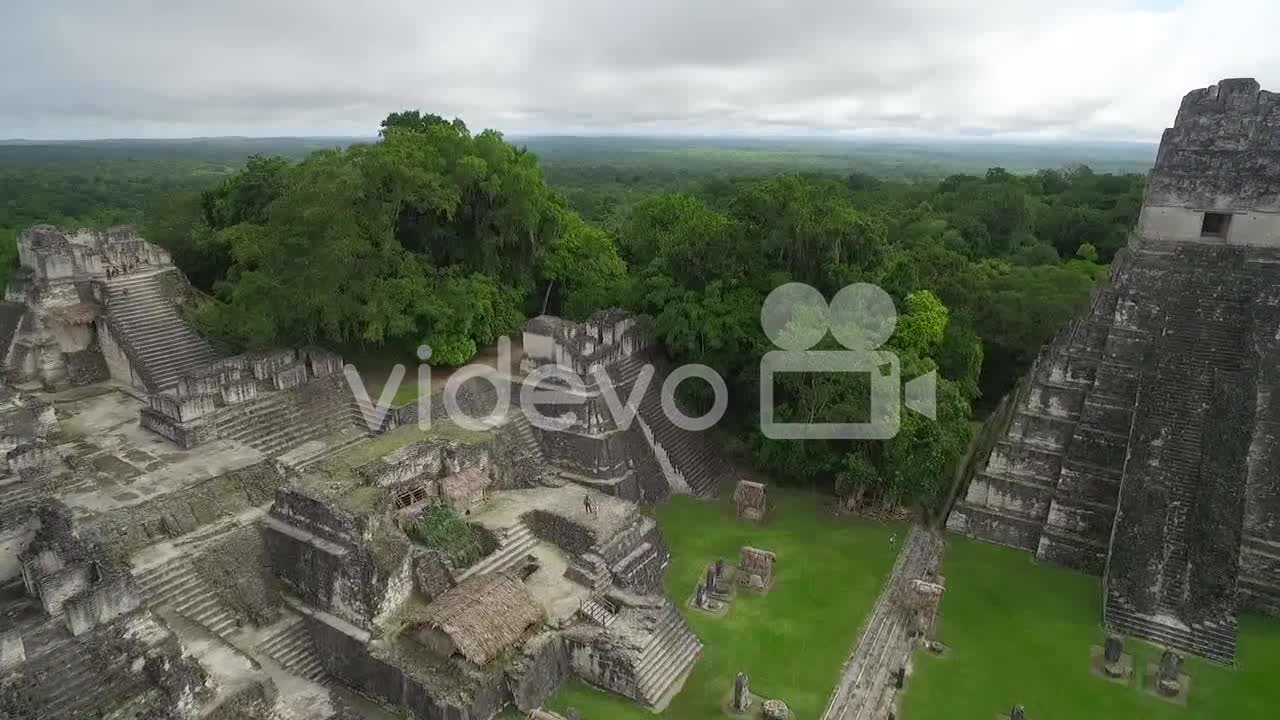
(755, 568)
(751, 500)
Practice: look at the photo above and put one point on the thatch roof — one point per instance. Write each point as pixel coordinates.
(484, 615)
(467, 481)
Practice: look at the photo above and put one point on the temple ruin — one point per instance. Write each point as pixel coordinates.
(190, 532)
(1142, 446)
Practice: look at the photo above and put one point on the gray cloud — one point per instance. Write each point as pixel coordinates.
(86, 68)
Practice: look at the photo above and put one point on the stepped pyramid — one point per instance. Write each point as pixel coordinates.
(1144, 445)
(86, 305)
(644, 460)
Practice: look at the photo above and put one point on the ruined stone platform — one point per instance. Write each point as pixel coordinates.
(609, 517)
(119, 464)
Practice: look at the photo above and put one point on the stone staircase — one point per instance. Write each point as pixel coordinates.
(16, 498)
(1204, 335)
(73, 683)
(1260, 589)
(670, 654)
(691, 454)
(290, 645)
(176, 584)
(160, 344)
(591, 571)
(281, 421)
(523, 430)
(515, 544)
(639, 567)
(1215, 641)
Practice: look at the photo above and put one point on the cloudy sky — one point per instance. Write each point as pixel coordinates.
(1107, 69)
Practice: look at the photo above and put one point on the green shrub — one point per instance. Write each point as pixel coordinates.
(442, 529)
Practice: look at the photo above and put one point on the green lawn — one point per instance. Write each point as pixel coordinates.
(1021, 632)
(791, 641)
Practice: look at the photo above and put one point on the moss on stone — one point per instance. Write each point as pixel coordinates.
(343, 465)
(363, 500)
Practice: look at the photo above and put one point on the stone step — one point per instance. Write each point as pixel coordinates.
(140, 316)
(172, 349)
(177, 585)
(688, 452)
(675, 666)
(74, 686)
(664, 664)
(292, 647)
(1262, 546)
(1214, 643)
(510, 553)
(282, 421)
(590, 570)
(157, 338)
(16, 499)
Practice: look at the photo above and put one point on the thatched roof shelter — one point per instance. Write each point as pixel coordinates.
(462, 490)
(480, 617)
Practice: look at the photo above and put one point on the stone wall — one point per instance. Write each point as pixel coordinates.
(176, 514)
(116, 356)
(594, 456)
(539, 671)
(604, 661)
(254, 397)
(100, 604)
(1223, 151)
(346, 654)
(358, 567)
(608, 336)
(1259, 580)
(85, 367)
(560, 531)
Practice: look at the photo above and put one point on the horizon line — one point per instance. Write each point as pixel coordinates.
(992, 139)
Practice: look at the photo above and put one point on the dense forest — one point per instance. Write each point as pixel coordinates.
(437, 234)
